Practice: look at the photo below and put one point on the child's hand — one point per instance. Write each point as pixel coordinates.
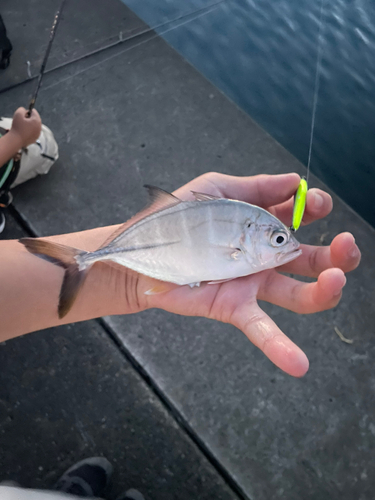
(26, 130)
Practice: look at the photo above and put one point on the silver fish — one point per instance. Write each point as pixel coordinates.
(183, 242)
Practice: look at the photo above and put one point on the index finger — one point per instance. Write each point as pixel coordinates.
(261, 190)
(318, 205)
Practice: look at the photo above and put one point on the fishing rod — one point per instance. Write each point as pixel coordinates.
(158, 34)
(301, 194)
(45, 59)
(120, 40)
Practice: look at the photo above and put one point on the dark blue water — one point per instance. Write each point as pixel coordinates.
(262, 54)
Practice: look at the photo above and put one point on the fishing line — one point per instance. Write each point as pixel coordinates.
(119, 38)
(301, 194)
(316, 85)
(156, 35)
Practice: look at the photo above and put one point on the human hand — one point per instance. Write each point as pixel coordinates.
(26, 129)
(235, 301)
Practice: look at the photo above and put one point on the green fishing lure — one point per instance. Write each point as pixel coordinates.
(299, 205)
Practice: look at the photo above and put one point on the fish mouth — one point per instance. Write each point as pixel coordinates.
(283, 258)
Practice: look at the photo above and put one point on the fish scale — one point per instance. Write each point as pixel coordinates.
(187, 243)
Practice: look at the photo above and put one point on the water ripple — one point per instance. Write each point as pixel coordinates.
(262, 54)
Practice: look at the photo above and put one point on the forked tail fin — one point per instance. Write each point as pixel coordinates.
(64, 257)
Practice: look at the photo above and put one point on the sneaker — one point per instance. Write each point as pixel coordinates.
(2, 222)
(6, 46)
(131, 495)
(87, 478)
(5, 59)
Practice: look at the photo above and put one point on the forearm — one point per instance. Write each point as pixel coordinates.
(10, 143)
(30, 287)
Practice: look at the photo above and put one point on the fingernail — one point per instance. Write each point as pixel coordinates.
(336, 294)
(353, 252)
(318, 201)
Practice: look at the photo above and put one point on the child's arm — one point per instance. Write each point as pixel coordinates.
(30, 287)
(24, 131)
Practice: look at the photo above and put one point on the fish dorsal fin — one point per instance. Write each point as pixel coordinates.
(158, 200)
(205, 197)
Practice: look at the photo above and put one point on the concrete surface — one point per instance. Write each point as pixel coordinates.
(146, 116)
(84, 27)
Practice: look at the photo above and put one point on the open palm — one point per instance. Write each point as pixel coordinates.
(235, 301)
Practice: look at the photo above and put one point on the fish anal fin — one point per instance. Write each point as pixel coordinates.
(205, 197)
(160, 288)
(219, 281)
(159, 200)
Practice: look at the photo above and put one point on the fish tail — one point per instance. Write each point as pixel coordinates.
(65, 257)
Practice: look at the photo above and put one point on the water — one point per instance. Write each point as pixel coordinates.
(262, 54)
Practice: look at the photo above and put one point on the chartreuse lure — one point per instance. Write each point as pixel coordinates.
(299, 204)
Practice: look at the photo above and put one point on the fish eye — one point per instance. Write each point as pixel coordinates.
(278, 238)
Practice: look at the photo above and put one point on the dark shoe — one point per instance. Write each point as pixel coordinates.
(131, 495)
(5, 46)
(87, 478)
(5, 59)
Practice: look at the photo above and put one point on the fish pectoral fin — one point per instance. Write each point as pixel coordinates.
(236, 254)
(205, 197)
(232, 253)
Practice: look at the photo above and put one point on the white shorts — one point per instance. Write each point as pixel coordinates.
(15, 493)
(38, 157)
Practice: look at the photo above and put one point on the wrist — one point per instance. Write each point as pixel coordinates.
(9, 146)
(15, 140)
